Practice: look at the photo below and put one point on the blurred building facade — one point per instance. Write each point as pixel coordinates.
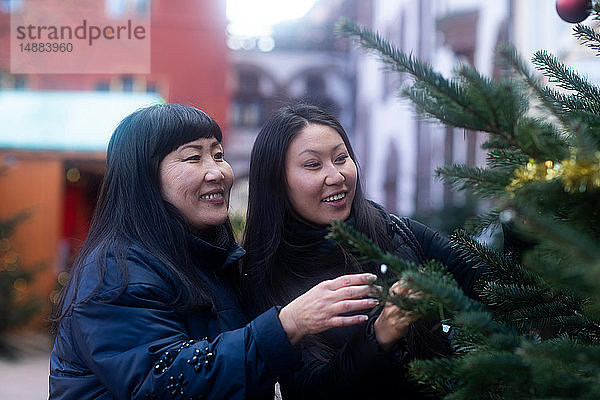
(188, 55)
(303, 60)
(397, 151)
(57, 180)
(400, 151)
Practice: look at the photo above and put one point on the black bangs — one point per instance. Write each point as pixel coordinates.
(174, 125)
(146, 136)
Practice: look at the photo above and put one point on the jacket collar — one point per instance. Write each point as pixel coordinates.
(213, 256)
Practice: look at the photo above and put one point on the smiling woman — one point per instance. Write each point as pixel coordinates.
(196, 179)
(320, 175)
(303, 176)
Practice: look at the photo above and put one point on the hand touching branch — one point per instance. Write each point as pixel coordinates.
(392, 324)
(319, 308)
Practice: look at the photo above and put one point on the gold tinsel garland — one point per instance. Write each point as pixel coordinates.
(578, 174)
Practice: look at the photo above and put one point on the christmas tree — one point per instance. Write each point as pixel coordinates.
(15, 307)
(535, 331)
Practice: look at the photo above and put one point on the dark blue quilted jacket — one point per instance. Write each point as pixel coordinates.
(135, 346)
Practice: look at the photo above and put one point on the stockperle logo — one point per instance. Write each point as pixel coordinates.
(83, 36)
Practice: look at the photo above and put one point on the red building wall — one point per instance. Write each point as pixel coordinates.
(189, 60)
(189, 52)
(188, 65)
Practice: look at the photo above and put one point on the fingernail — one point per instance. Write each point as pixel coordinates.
(374, 302)
(371, 278)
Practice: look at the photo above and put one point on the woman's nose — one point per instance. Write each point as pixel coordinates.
(214, 174)
(334, 177)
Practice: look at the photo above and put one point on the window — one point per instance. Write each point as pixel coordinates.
(117, 8)
(20, 82)
(127, 83)
(6, 6)
(247, 113)
(102, 86)
(151, 88)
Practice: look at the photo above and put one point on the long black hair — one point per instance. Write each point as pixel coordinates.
(274, 277)
(130, 208)
(269, 208)
(278, 269)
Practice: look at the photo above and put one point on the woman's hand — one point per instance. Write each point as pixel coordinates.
(393, 322)
(319, 308)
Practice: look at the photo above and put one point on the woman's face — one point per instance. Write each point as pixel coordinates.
(196, 179)
(320, 175)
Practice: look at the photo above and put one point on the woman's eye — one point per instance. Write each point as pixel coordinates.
(192, 158)
(219, 156)
(312, 165)
(341, 159)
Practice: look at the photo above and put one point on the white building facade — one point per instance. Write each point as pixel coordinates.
(397, 151)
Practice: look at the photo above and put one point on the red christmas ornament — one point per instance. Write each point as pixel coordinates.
(573, 11)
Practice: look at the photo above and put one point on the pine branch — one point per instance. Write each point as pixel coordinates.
(500, 104)
(475, 226)
(579, 327)
(480, 181)
(506, 158)
(571, 110)
(438, 374)
(540, 140)
(566, 104)
(564, 369)
(565, 77)
(496, 143)
(588, 37)
(399, 61)
(496, 266)
(557, 266)
(540, 316)
(506, 297)
(562, 235)
(446, 112)
(555, 369)
(365, 249)
(475, 103)
(506, 376)
(430, 278)
(433, 94)
(569, 352)
(509, 55)
(439, 289)
(505, 352)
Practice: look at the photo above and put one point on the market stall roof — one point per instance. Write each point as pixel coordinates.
(65, 121)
